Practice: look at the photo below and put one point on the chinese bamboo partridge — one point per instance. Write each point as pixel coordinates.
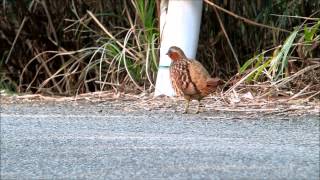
(189, 78)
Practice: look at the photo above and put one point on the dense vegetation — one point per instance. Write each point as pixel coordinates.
(76, 46)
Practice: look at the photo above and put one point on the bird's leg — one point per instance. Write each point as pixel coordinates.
(187, 106)
(198, 109)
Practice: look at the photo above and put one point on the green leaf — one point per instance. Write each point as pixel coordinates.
(247, 64)
(285, 50)
(315, 28)
(280, 61)
(309, 33)
(261, 68)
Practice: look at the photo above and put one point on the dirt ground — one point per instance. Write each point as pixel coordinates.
(245, 104)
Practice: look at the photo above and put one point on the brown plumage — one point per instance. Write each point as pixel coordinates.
(189, 78)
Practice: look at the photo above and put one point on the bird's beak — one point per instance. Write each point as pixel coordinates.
(168, 52)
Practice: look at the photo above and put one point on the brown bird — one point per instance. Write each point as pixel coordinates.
(189, 78)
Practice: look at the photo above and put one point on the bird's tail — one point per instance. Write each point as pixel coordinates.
(213, 83)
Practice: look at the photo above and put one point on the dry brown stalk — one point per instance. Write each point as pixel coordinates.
(245, 19)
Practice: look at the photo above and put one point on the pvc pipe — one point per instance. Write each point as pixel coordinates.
(179, 26)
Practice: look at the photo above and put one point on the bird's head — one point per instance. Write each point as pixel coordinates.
(176, 54)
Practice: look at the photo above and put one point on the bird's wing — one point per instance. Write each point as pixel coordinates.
(199, 76)
(181, 79)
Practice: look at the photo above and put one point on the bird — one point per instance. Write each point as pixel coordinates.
(189, 78)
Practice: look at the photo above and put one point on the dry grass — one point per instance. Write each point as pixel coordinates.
(244, 104)
(62, 48)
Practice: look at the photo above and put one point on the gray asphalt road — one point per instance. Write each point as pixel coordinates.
(100, 141)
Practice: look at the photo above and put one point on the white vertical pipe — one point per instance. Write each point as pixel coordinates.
(179, 26)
